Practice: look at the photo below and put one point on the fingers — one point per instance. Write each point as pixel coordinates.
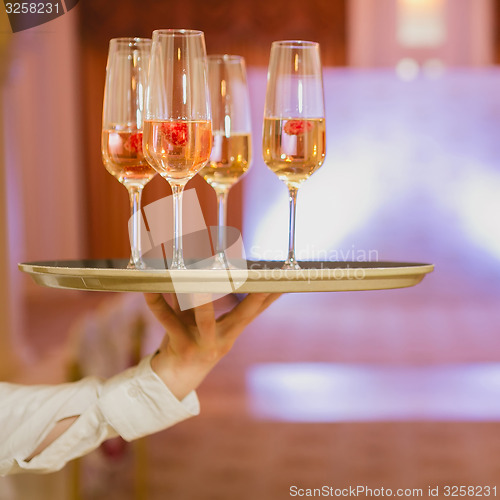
(200, 322)
(164, 313)
(175, 302)
(246, 311)
(269, 300)
(252, 305)
(204, 316)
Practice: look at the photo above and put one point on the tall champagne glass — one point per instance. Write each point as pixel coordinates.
(126, 80)
(294, 121)
(177, 128)
(231, 131)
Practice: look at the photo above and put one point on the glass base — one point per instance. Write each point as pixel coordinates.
(221, 262)
(177, 265)
(291, 265)
(138, 264)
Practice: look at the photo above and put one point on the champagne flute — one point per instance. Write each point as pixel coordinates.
(294, 121)
(121, 141)
(177, 128)
(231, 131)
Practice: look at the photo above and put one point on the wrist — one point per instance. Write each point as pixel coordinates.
(179, 376)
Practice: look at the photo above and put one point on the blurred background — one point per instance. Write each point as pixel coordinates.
(394, 389)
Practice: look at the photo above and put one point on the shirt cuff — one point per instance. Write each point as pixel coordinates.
(137, 402)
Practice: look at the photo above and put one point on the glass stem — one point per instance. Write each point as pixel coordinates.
(221, 223)
(135, 195)
(290, 262)
(177, 257)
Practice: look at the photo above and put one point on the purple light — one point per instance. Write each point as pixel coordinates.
(328, 392)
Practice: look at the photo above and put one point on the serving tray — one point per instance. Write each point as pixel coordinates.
(259, 276)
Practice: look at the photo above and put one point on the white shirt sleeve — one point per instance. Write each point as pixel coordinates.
(131, 404)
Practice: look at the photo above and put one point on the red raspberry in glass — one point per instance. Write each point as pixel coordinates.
(134, 143)
(175, 132)
(297, 127)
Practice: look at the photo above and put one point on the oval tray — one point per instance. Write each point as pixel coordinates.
(260, 276)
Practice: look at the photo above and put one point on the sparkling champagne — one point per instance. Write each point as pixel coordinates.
(177, 149)
(229, 160)
(294, 148)
(123, 158)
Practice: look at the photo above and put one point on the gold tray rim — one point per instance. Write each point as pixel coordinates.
(361, 276)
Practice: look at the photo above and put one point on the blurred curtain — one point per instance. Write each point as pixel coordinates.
(41, 145)
(10, 316)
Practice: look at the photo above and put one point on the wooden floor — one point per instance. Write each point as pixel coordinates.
(231, 451)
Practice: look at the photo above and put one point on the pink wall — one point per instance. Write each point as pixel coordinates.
(40, 157)
(42, 140)
(373, 42)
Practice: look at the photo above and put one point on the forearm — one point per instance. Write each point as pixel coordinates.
(132, 404)
(180, 380)
(180, 383)
(59, 428)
